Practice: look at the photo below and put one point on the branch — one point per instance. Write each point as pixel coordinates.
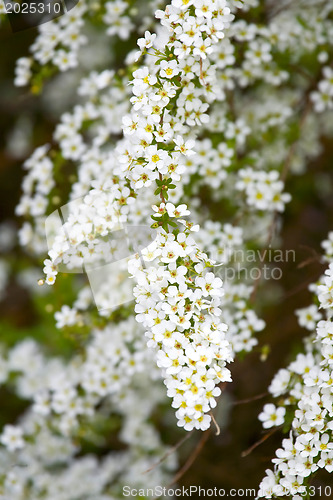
(201, 73)
(161, 193)
(168, 453)
(191, 458)
(249, 400)
(218, 430)
(249, 450)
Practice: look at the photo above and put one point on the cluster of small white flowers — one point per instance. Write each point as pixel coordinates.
(63, 404)
(263, 189)
(59, 42)
(323, 97)
(210, 163)
(39, 183)
(116, 19)
(222, 244)
(328, 247)
(157, 162)
(110, 370)
(107, 369)
(49, 468)
(167, 100)
(12, 437)
(305, 391)
(178, 303)
(80, 240)
(243, 322)
(272, 416)
(202, 76)
(23, 71)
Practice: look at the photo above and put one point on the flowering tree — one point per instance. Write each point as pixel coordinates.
(168, 172)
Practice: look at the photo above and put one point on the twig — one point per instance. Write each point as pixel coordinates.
(249, 450)
(316, 257)
(249, 400)
(169, 452)
(308, 261)
(218, 430)
(197, 449)
(161, 193)
(191, 458)
(300, 287)
(201, 73)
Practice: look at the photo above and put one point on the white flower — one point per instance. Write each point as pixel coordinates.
(186, 148)
(179, 211)
(147, 41)
(272, 416)
(308, 317)
(169, 69)
(12, 437)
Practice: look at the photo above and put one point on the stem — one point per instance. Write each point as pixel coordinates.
(249, 400)
(201, 73)
(218, 429)
(249, 450)
(168, 453)
(191, 458)
(161, 193)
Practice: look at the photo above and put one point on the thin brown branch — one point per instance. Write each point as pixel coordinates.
(316, 257)
(308, 261)
(201, 73)
(169, 452)
(191, 458)
(258, 443)
(300, 287)
(249, 400)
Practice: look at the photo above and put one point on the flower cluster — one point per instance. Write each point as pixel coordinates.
(305, 392)
(178, 303)
(210, 115)
(323, 97)
(168, 99)
(263, 189)
(222, 244)
(65, 408)
(59, 44)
